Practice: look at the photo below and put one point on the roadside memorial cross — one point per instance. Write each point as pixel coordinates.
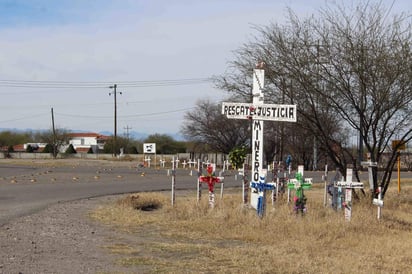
(162, 162)
(147, 160)
(192, 162)
(257, 111)
(294, 183)
(300, 184)
(349, 185)
(372, 167)
(261, 187)
(211, 180)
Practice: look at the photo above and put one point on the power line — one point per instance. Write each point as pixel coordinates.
(24, 118)
(84, 84)
(126, 116)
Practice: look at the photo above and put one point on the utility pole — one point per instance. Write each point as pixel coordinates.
(54, 134)
(114, 87)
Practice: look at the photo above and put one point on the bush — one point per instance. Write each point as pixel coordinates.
(70, 150)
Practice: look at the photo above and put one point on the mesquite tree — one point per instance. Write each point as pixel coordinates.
(347, 69)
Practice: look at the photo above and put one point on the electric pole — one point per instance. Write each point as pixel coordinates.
(54, 134)
(114, 87)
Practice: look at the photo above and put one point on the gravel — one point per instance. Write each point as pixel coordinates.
(59, 239)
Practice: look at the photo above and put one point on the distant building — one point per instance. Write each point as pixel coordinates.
(82, 142)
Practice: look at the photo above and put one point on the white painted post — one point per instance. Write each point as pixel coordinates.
(173, 182)
(148, 161)
(379, 202)
(199, 187)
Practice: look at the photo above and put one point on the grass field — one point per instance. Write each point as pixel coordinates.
(192, 238)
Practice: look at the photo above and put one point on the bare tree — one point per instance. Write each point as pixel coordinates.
(58, 139)
(347, 69)
(205, 124)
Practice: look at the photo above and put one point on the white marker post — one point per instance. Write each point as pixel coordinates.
(379, 202)
(173, 182)
(348, 185)
(258, 112)
(199, 183)
(325, 179)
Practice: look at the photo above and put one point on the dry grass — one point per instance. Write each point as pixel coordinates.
(190, 237)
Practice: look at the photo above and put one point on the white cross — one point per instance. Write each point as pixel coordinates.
(162, 162)
(258, 112)
(348, 185)
(148, 161)
(192, 162)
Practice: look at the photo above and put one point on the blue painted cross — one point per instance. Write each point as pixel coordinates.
(261, 187)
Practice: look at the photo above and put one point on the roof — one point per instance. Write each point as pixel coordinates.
(88, 134)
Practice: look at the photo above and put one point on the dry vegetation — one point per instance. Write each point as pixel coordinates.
(190, 237)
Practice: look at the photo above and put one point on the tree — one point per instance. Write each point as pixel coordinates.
(165, 144)
(237, 156)
(48, 149)
(70, 150)
(57, 140)
(347, 69)
(206, 125)
(9, 138)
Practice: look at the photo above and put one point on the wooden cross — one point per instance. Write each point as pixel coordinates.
(162, 162)
(257, 111)
(348, 185)
(211, 180)
(147, 160)
(192, 162)
(294, 183)
(261, 187)
(300, 184)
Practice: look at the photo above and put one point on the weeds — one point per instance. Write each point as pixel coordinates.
(232, 239)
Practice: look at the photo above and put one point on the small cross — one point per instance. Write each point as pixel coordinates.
(261, 187)
(348, 185)
(211, 180)
(299, 184)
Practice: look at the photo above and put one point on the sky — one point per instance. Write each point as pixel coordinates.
(64, 55)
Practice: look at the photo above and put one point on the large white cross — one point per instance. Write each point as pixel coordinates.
(257, 111)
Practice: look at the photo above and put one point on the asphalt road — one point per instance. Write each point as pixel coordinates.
(27, 187)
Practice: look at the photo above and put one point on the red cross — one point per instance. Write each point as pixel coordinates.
(210, 179)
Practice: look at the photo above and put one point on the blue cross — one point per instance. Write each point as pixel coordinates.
(261, 186)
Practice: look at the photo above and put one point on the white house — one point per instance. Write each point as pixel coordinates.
(82, 142)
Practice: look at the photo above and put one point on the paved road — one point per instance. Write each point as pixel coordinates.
(25, 189)
(31, 186)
